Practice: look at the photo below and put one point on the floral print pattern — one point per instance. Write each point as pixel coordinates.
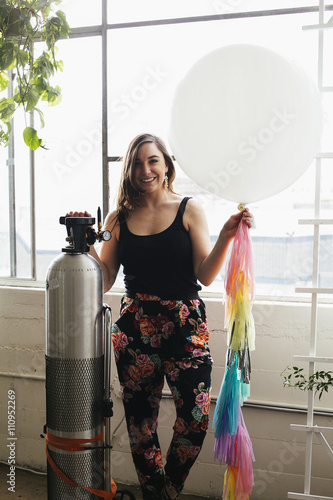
(154, 340)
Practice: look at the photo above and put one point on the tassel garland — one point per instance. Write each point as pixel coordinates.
(233, 445)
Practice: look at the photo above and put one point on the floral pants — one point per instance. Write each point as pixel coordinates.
(153, 339)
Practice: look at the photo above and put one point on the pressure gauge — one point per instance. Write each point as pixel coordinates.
(105, 235)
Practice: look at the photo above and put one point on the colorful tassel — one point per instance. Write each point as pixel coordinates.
(232, 442)
(226, 413)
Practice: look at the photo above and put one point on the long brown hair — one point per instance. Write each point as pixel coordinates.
(129, 194)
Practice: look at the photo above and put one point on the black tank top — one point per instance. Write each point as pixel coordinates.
(159, 264)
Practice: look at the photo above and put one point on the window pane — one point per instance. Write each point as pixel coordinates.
(151, 61)
(82, 12)
(328, 47)
(326, 237)
(69, 172)
(132, 10)
(150, 64)
(20, 202)
(4, 214)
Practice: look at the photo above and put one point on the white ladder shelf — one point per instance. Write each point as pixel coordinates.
(310, 429)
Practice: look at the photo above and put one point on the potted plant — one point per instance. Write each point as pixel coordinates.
(23, 23)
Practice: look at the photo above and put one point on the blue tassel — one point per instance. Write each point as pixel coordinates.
(226, 413)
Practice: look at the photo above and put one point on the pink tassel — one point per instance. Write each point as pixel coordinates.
(237, 452)
(240, 267)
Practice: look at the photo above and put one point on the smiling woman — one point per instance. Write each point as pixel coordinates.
(150, 169)
(162, 241)
(144, 165)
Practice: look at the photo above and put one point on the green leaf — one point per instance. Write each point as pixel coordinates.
(32, 99)
(4, 136)
(4, 12)
(65, 29)
(7, 108)
(31, 138)
(22, 58)
(54, 96)
(41, 117)
(61, 15)
(20, 98)
(7, 56)
(46, 11)
(4, 81)
(40, 84)
(43, 66)
(59, 65)
(53, 31)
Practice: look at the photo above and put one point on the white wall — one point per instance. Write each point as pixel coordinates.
(281, 331)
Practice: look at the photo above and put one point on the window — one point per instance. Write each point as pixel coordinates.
(150, 46)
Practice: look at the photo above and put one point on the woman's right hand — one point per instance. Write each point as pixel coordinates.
(78, 214)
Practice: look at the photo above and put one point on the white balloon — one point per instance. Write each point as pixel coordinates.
(245, 122)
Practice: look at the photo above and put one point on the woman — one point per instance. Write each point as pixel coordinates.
(163, 242)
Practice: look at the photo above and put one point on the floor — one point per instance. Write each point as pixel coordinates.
(32, 486)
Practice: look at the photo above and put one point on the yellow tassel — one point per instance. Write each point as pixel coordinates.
(239, 322)
(229, 484)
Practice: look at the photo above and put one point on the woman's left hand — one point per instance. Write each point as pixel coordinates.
(230, 227)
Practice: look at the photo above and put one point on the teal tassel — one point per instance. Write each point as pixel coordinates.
(226, 413)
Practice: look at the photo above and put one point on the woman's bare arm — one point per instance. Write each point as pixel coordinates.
(108, 256)
(208, 261)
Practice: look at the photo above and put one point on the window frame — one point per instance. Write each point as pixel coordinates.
(102, 31)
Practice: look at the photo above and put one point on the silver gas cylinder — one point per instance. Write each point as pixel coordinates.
(75, 387)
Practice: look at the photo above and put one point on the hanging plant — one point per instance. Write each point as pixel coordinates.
(23, 23)
(320, 381)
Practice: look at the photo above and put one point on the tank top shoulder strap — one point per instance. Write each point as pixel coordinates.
(181, 210)
(182, 206)
(122, 223)
(121, 216)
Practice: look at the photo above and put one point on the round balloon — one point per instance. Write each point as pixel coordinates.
(245, 122)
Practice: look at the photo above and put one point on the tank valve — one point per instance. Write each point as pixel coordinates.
(80, 234)
(100, 235)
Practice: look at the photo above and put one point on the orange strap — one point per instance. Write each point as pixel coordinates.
(70, 444)
(53, 440)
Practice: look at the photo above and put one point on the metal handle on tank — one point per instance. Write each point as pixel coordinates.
(108, 404)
